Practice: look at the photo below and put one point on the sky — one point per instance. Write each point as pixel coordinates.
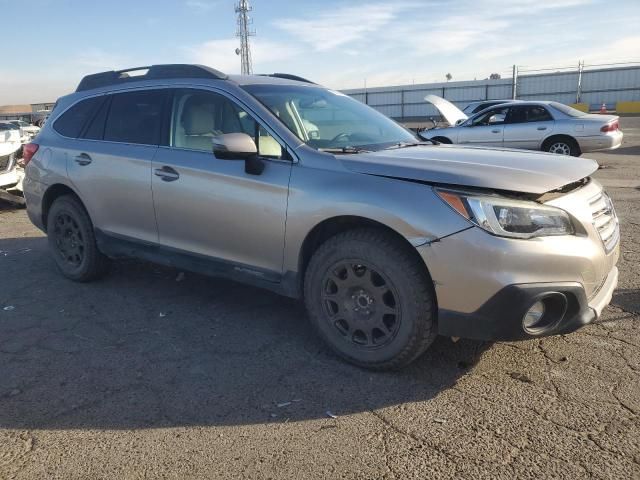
(48, 45)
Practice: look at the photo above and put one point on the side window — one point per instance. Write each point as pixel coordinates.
(71, 122)
(537, 113)
(199, 115)
(135, 117)
(95, 129)
(495, 116)
(517, 114)
(528, 113)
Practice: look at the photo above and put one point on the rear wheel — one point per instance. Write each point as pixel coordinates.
(563, 146)
(370, 299)
(72, 241)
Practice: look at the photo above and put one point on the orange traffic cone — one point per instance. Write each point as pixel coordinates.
(603, 108)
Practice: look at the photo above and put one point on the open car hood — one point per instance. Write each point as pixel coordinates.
(482, 167)
(448, 110)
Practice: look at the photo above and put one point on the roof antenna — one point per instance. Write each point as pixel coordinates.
(243, 32)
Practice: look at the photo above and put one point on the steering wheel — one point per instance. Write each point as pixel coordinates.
(339, 137)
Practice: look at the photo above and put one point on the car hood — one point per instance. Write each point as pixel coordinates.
(482, 167)
(448, 110)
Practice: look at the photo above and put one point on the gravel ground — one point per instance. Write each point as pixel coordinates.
(147, 374)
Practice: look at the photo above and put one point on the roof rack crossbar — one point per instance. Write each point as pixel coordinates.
(152, 72)
(287, 76)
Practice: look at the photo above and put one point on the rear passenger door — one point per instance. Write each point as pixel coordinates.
(110, 162)
(211, 206)
(527, 126)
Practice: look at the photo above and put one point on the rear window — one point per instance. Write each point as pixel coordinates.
(71, 122)
(135, 117)
(567, 110)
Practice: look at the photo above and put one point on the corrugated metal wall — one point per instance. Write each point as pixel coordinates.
(607, 85)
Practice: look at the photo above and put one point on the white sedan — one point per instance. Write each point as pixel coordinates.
(547, 126)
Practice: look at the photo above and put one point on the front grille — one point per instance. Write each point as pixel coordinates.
(605, 220)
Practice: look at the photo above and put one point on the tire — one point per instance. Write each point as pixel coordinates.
(370, 299)
(444, 140)
(72, 241)
(562, 146)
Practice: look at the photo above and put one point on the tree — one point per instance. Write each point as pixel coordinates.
(448, 76)
(495, 76)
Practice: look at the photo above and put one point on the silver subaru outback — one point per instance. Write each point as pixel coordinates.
(277, 182)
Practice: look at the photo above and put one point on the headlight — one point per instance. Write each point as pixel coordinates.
(509, 218)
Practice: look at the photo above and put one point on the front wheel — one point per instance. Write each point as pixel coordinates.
(371, 299)
(72, 241)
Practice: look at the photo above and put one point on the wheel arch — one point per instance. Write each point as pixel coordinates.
(332, 226)
(442, 139)
(55, 191)
(559, 136)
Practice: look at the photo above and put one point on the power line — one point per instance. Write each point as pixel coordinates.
(244, 32)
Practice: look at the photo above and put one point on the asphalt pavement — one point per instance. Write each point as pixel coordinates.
(154, 373)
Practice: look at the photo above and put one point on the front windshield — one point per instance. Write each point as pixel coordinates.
(328, 120)
(572, 112)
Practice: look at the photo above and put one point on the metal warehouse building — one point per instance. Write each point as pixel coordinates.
(585, 87)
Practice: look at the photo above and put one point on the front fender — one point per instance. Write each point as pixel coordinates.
(411, 209)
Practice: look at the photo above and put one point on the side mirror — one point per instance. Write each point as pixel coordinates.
(234, 146)
(238, 146)
(459, 122)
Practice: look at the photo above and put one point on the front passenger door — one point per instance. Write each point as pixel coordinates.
(210, 206)
(484, 129)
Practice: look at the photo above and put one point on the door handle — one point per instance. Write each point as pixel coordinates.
(83, 159)
(542, 128)
(167, 174)
(496, 131)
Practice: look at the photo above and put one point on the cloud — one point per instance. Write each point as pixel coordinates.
(220, 54)
(341, 26)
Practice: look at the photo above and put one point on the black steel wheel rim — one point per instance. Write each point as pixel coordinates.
(69, 239)
(361, 304)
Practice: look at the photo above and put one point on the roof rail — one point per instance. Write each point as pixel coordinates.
(152, 72)
(287, 76)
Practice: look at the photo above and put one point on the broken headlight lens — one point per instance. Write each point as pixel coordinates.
(509, 218)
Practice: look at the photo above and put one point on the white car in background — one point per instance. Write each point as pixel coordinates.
(11, 175)
(547, 126)
(28, 129)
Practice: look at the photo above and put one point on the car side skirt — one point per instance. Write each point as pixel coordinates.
(117, 246)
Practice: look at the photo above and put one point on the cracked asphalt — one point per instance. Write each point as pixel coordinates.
(152, 374)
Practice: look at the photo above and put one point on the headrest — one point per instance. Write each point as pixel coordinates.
(197, 120)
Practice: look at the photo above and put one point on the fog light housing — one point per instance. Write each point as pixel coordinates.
(545, 313)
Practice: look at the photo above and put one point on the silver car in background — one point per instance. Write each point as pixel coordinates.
(547, 126)
(281, 183)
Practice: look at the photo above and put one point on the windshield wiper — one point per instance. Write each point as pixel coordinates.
(347, 149)
(427, 141)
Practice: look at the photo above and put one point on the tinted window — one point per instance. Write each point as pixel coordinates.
(482, 106)
(572, 112)
(95, 130)
(71, 122)
(135, 117)
(198, 116)
(528, 113)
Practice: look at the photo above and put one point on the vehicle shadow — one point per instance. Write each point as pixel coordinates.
(150, 347)
(628, 299)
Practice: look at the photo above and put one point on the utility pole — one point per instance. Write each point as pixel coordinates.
(243, 32)
(579, 87)
(514, 83)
